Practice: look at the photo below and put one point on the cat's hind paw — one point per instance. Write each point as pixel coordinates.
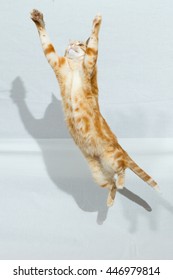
(37, 17)
(110, 201)
(119, 187)
(111, 197)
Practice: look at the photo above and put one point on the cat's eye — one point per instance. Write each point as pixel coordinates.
(80, 44)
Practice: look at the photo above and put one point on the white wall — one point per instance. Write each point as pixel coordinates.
(135, 66)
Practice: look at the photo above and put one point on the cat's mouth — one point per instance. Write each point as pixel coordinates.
(74, 52)
(74, 48)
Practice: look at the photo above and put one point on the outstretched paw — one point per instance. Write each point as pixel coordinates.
(37, 17)
(96, 24)
(97, 20)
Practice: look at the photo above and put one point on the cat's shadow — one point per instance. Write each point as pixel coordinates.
(64, 170)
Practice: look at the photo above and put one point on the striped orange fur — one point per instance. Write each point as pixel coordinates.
(76, 73)
(49, 49)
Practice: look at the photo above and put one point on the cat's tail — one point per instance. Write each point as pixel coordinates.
(140, 172)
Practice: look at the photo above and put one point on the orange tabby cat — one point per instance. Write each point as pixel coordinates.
(76, 73)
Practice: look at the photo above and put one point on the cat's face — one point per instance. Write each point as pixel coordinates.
(76, 50)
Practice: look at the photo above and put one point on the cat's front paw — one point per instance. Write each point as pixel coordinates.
(97, 20)
(96, 24)
(37, 17)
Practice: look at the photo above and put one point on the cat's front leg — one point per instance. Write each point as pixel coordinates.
(96, 25)
(47, 46)
(92, 46)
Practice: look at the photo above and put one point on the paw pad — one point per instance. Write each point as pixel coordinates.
(37, 17)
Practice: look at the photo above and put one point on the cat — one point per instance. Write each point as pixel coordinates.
(76, 73)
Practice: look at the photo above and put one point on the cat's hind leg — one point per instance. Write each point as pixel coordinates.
(120, 182)
(111, 194)
(113, 161)
(102, 178)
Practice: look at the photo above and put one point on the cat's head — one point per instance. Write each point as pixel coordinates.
(76, 50)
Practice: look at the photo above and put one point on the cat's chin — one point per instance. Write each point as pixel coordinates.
(72, 54)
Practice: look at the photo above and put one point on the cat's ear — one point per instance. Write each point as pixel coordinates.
(87, 41)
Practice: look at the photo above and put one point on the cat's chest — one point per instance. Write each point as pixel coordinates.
(73, 92)
(76, 83)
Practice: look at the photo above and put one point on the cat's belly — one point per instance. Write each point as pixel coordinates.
(76, 85)
(88, 144)
(83, 118)
(85, 134)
